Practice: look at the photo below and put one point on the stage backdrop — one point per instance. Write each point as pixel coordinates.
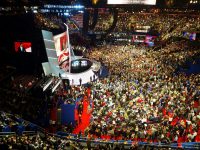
(68, 114)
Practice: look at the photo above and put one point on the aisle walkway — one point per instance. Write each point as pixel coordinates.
(85, 119)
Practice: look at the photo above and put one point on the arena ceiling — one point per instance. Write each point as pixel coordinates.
(166, 3)
(100, 3)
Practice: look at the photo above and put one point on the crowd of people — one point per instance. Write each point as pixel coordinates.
(143, 98)
(47, 141)
(20, 95)
(46, 21)
(37, 141)
(167, 25)
(12, 123)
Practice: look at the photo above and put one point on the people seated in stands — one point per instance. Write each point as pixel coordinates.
(148, 96)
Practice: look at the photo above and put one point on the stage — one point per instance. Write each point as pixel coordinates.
(82, 71)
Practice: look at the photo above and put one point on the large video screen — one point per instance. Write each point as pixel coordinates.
(75, 64)
(190, 36)
(62, 50)
(143, 29)
(139, 38)
(141, 2)
(84, 63)
(149, 40)
(23, 47)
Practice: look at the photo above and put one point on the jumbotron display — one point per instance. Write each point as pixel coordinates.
(22, 46)
(122, 2)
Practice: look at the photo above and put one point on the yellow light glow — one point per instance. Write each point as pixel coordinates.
(94, 2)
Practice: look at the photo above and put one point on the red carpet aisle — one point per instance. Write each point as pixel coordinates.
(85, 118)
